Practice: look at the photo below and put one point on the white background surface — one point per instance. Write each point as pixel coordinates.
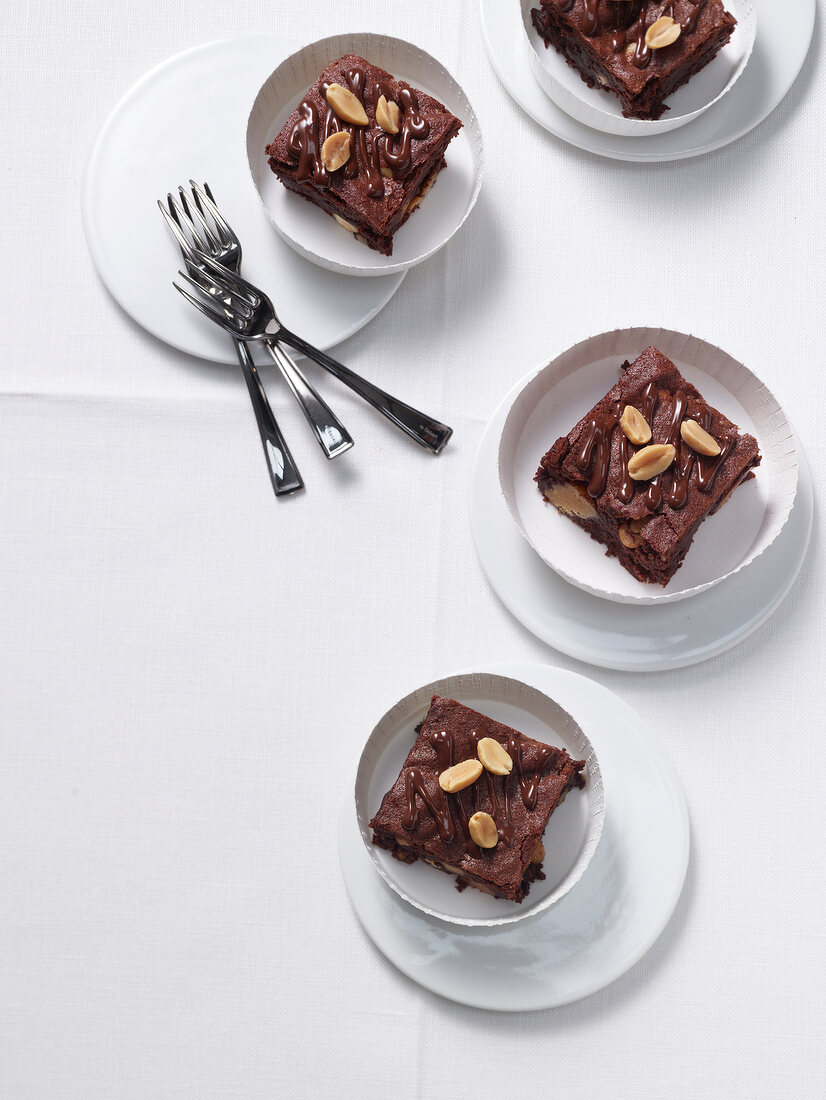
(172, 640)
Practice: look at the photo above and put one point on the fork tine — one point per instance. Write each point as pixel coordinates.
(186, 247)
(234, 284)
(211, 293)
(203, 198)
(209, 310)
(214, 245)
(184, 220)
(207, 285)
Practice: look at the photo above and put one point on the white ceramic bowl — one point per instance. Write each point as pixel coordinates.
(602, 111)
(572, 833)
(311, 231)
(558, 395)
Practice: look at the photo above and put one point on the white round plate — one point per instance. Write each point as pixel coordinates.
(595, 934)
(555, 397)
(308, 228)
(779, 52)
(621, 636)
(573, 831)
(186, 119)
(603, 110)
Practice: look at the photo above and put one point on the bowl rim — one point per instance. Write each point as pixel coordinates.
(362, 42)
(453, 686)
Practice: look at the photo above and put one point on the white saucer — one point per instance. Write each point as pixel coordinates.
(779, 52)
(187, 119)
(643, 638)
(598, 931)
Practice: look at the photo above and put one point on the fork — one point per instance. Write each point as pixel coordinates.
(209, 234)
(247, 313)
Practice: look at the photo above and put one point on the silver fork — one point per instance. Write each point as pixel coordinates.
(247, 313)
(283, 471)
(200, 229)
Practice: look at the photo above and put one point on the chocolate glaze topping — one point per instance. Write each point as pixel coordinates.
(444, 746)
(528, 781)
(627, 22)
(304, 145)
(501, 805)
(395, 149)
(437, 808)
(369, 145)
(654, 493)
(441, 808)
(594, 454)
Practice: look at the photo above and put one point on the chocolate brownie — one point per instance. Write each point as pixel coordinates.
(473, 798)
(643, 469)
(641, 50)
(365, 147)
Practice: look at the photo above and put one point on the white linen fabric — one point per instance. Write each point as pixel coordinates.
(189, 668)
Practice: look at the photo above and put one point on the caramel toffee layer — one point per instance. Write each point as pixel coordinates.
(605, 41)
(386, 175)
(419, 820)
(647, 524)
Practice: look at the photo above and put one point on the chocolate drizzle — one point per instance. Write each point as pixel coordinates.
(627, 23)
(590, 22)
(363, 158)
(708, 468)
(528, 781)
(437, 808)
(501, 807)
(625, 490)
(654, 494)
(304, 144)
(369, 145)
(333, 125)
(678, 496)
(444, 746)
(396, 151)
(689, 22)
(594, 454)
(441, 807)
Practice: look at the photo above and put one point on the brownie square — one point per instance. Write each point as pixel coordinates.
(419, 820)
(387, 175)
(605, 41)
(648, 523)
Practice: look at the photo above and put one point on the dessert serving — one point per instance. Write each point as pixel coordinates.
(646, 466)
(640, 50)
(473, 798)
(364, 147)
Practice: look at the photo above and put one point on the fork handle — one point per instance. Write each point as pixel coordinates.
(424, 429)
(333, 437)
(283, 470)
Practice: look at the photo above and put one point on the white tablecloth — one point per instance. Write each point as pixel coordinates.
(189, 669)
